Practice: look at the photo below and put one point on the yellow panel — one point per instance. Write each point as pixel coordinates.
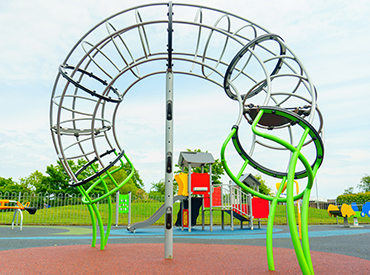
(332, 207)
(179, 182)
(347, 210)
(182, 180)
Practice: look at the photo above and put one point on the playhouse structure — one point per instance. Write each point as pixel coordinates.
(227, 198)
(206, 197)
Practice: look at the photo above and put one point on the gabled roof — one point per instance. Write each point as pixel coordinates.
(196, 159)
(249, 180)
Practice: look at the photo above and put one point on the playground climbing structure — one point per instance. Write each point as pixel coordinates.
(275, 97)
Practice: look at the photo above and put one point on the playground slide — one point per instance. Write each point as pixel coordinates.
(238, 215)
(155, 217)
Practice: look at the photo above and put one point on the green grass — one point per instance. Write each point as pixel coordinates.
(79, 215)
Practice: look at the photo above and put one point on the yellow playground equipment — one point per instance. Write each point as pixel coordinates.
(345, 211)
(298, 206)
(182, 180)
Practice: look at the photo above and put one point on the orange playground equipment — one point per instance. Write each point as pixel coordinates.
(18, 207)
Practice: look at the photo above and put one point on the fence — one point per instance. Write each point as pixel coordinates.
(68, 209)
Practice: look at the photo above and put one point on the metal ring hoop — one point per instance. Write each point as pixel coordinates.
(315, 136)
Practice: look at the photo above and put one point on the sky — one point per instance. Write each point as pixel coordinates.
(331, 38)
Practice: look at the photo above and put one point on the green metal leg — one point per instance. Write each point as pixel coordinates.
(305, 240)
(110, 207)
(270, 225)
(101, 226)
(291, 217)
(93, 221)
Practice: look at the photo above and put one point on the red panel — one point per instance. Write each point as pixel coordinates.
(216, 196)
(206, 202)
(200, 183)
(260, 208)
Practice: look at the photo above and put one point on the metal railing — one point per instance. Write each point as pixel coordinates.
(68, 209)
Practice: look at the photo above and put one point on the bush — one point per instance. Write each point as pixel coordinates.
(359, 198)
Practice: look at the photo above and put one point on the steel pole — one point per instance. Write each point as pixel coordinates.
(168, 233)
(168, 227)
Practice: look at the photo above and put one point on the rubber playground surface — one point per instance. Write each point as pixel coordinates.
(67, 249)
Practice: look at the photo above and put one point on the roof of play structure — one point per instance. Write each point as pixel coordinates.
(249, 180)
(196, 159)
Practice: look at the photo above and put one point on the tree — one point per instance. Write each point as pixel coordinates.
(119, 177)
(348, 191)
(135, 177)
(57, 179)
(217, 169)
(263, 188)
(33, 180)
(364, 183)
(158, 188)
(10, 186)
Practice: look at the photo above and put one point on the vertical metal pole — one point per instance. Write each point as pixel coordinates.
(317, 195)
(232, 198)
(129, 209)
(210, 198)
(168, 236)
(117, 206)
(189, 198)
(249, 196)
(203, 222)
(168, 231)
(202, 202)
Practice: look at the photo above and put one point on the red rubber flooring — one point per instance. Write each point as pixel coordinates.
(188, 259)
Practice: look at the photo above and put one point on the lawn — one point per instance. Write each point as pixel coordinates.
(141, 210)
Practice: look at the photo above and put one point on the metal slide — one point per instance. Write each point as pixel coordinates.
(155, 217)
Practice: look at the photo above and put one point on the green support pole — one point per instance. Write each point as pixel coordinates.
(101, 226)
(305, 240)
(270, 226)
(302, 250)
(291, 216)
(110, 213)
(93, 220)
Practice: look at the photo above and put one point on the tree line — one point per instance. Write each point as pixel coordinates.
(56, 180)
(363, 186)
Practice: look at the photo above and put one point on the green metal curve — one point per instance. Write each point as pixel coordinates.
(237, 181)
(86, 199)
(291, 216)
(101, 226)
(303, 254)
(93, 221)
(270, 226)
(92, 203)
(302, 250)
